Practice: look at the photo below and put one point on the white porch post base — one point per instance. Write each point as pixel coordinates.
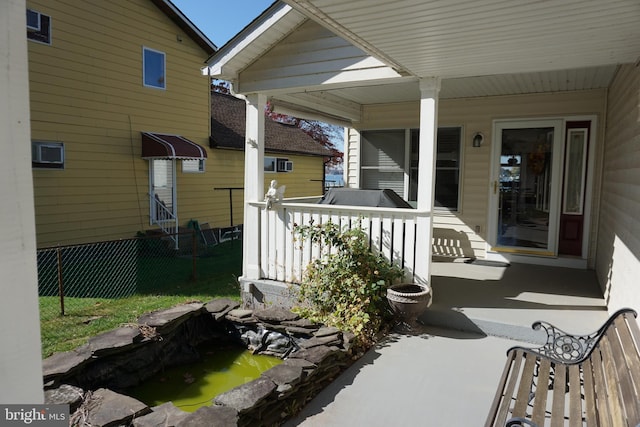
(422, 272)
(429, 90)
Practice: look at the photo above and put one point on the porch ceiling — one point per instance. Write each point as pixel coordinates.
(494, 47)
(466, 87)
(466, 38)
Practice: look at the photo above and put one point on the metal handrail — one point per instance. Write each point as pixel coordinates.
(165, 219)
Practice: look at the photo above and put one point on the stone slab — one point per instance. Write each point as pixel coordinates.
(296, 330)
(221, 304)
(285, 376)
(302, 323)
(327, 330)
(324, 340)
(211, 416)
(247, 396)
(315, 355)
(173, 316)
(245, 321)
(61, 363)
(165, 415)
(240, 313)
(64, 395)
(214, 307)
(305, 364)
(275, 314)
(114, 340)
(108, 408)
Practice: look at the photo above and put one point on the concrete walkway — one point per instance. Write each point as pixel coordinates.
(446, 373)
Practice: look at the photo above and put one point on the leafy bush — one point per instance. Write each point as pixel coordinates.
(346, 287)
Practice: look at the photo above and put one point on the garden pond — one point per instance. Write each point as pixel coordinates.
(192, 386)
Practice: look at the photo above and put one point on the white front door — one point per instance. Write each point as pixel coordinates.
(525, 186)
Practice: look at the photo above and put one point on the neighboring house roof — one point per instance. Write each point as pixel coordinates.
(186, 25)
(228, 120)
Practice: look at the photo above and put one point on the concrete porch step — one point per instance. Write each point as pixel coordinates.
(456, 320)
(504, 300)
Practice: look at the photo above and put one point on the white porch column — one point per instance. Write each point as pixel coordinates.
(429, 90)
(253, 184)
(20, 362)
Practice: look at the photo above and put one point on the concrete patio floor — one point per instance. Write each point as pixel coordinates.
(446, 372)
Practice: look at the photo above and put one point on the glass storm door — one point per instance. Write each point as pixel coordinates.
(526, 182)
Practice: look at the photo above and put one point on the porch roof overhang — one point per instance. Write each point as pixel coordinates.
(477, 49)
(164, 146)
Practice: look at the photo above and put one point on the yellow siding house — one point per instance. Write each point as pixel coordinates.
(120, 122)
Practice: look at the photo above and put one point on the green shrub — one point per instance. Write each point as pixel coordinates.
(346, 286)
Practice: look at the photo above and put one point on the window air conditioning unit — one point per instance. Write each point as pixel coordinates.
(48, 153)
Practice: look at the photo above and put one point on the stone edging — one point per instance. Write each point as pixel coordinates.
(85, 378)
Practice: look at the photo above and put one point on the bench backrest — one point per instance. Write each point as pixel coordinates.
(614, 366)
(600, 388)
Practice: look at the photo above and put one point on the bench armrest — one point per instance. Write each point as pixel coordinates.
(566, 348)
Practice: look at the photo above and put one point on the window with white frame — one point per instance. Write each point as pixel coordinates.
(447, 189)
(153, 68)
(382, 160)
(284, 165)
(38, 27)
(277, 164)
(193, 166)
(389, 160)
(47, 154)
(270, 164)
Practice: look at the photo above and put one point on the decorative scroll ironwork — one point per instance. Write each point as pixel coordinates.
(562, 347)
(520, 422)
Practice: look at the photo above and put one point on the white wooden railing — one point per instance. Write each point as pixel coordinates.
(401, 235)
(164, 218)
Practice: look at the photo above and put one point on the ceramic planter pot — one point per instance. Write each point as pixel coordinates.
(408, 301)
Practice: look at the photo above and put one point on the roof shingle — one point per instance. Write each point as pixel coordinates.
(228, 118)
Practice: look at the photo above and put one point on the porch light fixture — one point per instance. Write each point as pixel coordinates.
(478, 139)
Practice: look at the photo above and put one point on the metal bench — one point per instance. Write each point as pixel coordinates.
(573, 380)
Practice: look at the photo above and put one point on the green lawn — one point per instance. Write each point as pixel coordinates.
(163, 284)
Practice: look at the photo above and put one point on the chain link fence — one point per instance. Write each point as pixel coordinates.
(69, 276)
